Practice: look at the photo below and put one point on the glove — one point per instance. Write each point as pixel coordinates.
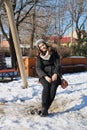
(64, 83)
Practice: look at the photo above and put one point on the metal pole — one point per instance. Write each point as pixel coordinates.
(16, 41)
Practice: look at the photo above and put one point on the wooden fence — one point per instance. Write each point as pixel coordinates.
(69, 65)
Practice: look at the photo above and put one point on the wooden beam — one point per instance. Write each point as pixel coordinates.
(10, 14)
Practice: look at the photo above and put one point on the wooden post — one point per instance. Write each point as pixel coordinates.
(10, 14)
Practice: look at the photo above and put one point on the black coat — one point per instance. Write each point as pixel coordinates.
(48, 67)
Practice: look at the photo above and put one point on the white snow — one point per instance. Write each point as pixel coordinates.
(68, 111)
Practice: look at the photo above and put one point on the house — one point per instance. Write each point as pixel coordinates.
(67, 41)
(72, 34)
(64, 41)
(4, 44)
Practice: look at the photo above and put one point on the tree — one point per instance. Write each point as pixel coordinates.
(20, 14)
(31, 18)
(61, 21)
(78, 12)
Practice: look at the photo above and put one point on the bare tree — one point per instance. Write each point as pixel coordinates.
(21, 11)
(61, 21)
(37, 22)
(35, 18)
(78, 12)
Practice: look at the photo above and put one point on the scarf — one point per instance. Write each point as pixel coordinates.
(46, 56)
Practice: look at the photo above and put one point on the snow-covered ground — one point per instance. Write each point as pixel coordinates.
(68, 111)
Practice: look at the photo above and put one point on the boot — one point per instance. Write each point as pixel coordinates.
(44, 112)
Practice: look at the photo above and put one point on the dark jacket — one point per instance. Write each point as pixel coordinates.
(48, 67)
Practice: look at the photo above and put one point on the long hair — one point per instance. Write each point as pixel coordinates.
(38, 51)
(49, 48)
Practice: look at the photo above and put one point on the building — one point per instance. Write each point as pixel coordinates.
(64, 41)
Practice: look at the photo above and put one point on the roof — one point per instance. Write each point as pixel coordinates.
(68, 40)
(63, 40)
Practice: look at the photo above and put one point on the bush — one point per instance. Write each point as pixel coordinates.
(84, 50)
(64, 51)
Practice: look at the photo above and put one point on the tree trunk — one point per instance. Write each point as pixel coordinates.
(12, 52)
(79, 41)
(32, 35)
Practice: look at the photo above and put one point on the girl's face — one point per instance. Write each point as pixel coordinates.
(43, 47)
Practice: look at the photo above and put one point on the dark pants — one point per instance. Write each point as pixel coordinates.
(49, 92)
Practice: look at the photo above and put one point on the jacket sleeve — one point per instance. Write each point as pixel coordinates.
(57, 64)
(39, 68)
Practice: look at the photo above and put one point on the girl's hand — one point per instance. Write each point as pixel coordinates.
(54, 77)
(48, 79)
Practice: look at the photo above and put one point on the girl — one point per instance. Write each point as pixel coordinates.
(48, 68)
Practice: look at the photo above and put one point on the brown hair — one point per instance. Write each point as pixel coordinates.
(38, 51)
